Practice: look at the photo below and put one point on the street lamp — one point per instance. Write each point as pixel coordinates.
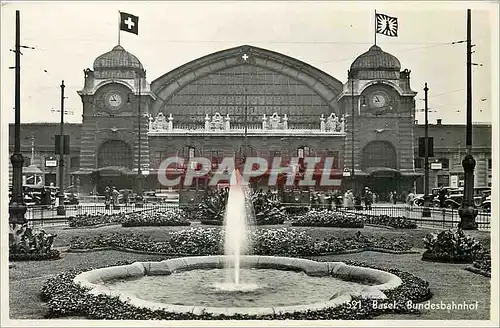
(61, 210)
(139, 200)
(17, 207)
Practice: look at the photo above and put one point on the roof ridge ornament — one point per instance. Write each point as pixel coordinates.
(246, 56)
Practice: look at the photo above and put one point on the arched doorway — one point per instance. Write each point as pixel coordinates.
(379, 162)
(114, 164)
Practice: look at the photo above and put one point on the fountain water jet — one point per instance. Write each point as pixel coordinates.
(237, 221)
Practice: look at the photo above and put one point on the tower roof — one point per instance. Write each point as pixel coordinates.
(117, 58)
(376, 59)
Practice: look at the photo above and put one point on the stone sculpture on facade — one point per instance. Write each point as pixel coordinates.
(274, 121)
(332, 123)
(228, 122)
(217, 122)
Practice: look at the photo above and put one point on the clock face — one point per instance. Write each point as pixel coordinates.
(378, 100)
(114, 100)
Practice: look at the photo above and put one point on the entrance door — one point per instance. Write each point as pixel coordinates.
(383, 184)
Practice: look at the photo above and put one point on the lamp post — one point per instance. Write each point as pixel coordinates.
(61, 210)
(467, 211)
(426, 212)
(353, 178)
(17, 207)
(139, 198)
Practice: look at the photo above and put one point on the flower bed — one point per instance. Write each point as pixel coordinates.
(87, 220)
(26, 244)
(209, 241)
(296, 210)
(65, 298)
(451, 246)
(156, 218)
(399, 222)
(327, 218)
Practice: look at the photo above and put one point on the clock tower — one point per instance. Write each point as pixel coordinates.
(380, 109)
(116, 99)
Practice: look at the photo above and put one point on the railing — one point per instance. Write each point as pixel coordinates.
(40, 217)
(443, 218)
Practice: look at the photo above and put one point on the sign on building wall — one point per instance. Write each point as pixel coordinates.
(454, 181)
(436, 166)
(50, 162)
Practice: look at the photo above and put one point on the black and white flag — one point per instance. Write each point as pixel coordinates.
(387, 25)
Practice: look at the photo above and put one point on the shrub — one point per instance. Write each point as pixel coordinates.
(399, 222)
(25, 244)
(327, 218)
(265, 209)
(451, 246)
(155, 218)
(483, 262)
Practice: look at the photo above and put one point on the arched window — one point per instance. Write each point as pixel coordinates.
(379, 154)
(114, 153)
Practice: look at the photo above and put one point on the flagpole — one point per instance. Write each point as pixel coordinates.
(375, 19)
(119, 22)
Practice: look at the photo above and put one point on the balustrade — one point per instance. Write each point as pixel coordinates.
(219, 123)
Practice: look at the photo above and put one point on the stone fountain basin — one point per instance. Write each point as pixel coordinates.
(94, 280)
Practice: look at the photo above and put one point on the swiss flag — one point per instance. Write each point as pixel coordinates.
(129, 23)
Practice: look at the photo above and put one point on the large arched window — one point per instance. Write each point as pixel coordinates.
(114, 153)
(379, 154)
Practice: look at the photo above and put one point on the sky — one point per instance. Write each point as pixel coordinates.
(68, 36)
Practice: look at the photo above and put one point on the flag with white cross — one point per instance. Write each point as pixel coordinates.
(129, 23)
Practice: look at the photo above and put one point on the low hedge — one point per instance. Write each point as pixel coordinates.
(53, 254)
(327, 218)
(88, 220)
(399, 222)
(155, 219)
(209, 241)
(65, 298)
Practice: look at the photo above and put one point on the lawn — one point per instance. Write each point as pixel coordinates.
(448, 282)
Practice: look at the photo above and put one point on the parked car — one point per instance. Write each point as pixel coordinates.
(486, 205)
(454, 201)
(419, 200)
(71, 198)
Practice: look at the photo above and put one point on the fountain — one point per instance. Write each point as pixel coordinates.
(193, 284)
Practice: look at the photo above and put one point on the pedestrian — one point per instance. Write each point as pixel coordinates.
(115, 194)
(394, 197)
(410, 198)
(368, 199)
(441, 197)
(107, 197)
(125, 197)
(349, 200)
